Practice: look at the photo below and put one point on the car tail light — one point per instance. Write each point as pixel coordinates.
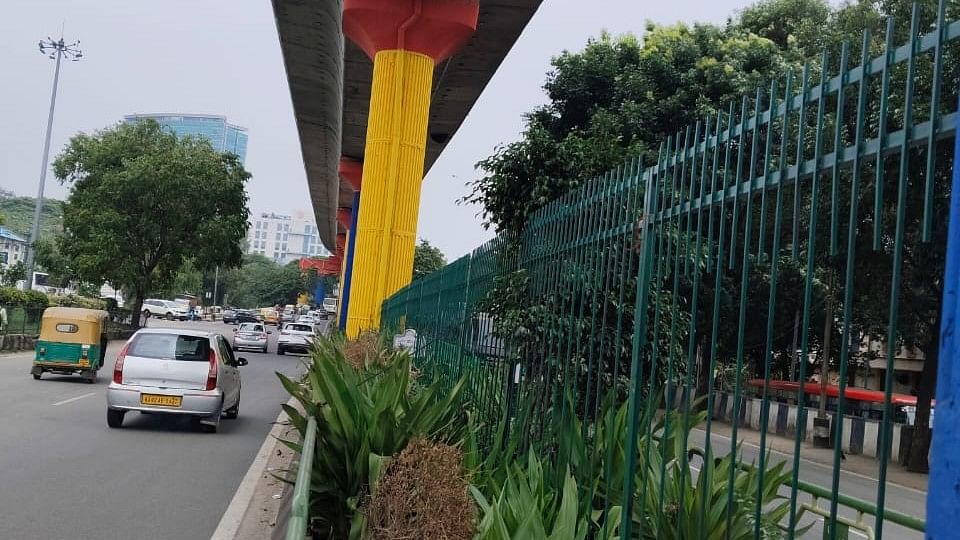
(118, 366)
(212, 372)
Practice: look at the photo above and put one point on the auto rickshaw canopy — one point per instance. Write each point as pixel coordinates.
(72, 325)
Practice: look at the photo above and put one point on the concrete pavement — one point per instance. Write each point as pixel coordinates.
(66, 475)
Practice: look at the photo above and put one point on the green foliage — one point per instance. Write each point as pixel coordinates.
(364, 414)
(143, 201)
(10, 296)
(11, 273)
(427, 259)
(259, 281)
(18, 215)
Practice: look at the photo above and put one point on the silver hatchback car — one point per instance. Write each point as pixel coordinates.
(251, 336)
(176, 371)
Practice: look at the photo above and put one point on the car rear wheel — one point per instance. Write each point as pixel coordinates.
(115, 418)
(264, 350)
(169, 316)
(279, 350)
(232, 412)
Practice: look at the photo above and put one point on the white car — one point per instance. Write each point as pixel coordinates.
(296, 337)
(308, 319)
(154, 307)
(176, 371)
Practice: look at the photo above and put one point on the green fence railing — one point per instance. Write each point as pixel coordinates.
(798, 232)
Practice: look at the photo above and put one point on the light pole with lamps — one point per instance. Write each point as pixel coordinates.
(55, 50)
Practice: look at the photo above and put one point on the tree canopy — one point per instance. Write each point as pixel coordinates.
(143, 201)
(426, 259)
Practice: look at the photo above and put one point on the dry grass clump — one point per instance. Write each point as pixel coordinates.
(422, 494)
(364, 351)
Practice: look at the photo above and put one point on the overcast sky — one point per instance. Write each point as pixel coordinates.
(222, 57)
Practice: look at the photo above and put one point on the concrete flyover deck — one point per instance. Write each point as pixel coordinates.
(309, 39)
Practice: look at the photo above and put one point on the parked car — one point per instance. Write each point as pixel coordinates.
(229, 316)
(251, 336)
(296, 337)
(154, 307)
(176, 371)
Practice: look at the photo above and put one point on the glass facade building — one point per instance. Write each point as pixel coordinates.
(224, 137)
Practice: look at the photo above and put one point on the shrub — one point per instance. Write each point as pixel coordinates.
(10, 296)
(364, 414)
(422, 494)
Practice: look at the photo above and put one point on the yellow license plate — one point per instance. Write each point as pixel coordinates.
(163, 401)
(84, 363)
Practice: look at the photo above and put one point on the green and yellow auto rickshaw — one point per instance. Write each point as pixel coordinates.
(72, 340)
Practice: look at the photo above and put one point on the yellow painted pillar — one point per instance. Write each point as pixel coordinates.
(392, 173)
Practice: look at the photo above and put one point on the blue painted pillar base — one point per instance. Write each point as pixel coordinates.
(943, 496)
(348, 271)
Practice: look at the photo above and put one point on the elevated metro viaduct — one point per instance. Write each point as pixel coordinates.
(375, 110)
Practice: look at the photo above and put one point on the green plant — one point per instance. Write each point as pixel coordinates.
(528, 507)
(364, 415)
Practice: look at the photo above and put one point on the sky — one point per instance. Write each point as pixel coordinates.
(223, 57)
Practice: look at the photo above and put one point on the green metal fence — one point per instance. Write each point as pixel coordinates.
(801, 227)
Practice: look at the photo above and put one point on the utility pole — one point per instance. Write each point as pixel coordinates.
(821, 424)
(216, 280)
(55, 50)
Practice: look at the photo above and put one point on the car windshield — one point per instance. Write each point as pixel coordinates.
(250, 327)
(299, 327)
(171, 347)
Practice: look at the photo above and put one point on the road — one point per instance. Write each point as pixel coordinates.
(66, 475)
(904, 499)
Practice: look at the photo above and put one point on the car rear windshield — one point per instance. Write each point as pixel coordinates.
(171, 347)
(299, 327)
(248, 327)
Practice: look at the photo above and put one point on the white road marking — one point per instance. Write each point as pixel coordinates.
(64, 402)
(233, 517)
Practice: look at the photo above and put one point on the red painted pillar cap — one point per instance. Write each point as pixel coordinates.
(436, 28)
(351, 170)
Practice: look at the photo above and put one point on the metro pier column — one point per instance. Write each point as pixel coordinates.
(405, 39)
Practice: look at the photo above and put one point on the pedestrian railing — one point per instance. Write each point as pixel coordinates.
(300, 504)
(22, 320)
(799, 230)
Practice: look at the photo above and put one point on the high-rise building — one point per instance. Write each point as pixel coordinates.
(224, 137)
(285, 238)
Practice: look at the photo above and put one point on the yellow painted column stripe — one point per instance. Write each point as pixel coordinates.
(392, 174)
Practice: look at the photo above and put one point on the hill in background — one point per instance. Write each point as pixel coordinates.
(17, 215)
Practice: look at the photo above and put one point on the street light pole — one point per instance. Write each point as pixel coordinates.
(55, 50)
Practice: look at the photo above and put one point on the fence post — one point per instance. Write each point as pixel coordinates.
(943, 520)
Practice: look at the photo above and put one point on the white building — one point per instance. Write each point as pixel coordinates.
(13, 248)
(285, 238)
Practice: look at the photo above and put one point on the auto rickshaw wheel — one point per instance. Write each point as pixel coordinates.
(37, 372)
(36, 376)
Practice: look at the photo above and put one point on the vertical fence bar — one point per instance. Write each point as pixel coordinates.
(892, 332)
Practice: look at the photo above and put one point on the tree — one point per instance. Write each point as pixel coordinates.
(426, 259)
(143, 201)
(622, 97)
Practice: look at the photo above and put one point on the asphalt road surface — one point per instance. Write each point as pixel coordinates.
(66, 475)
